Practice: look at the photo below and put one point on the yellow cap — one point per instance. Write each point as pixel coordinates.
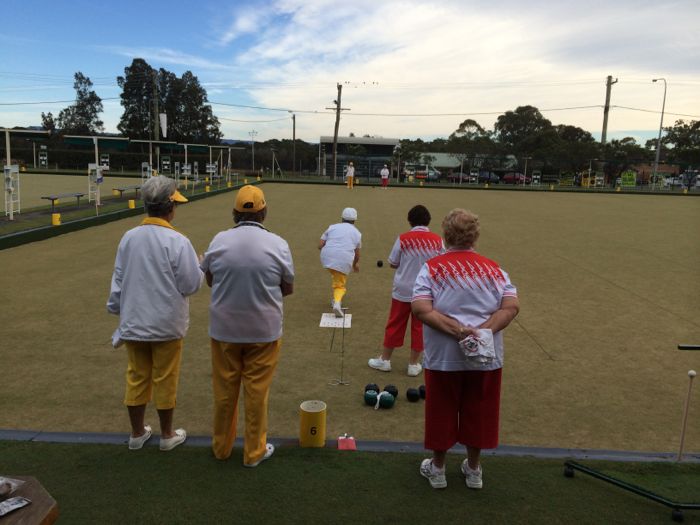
(249, 199)
(178, 197)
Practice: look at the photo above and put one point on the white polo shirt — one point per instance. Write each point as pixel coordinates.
(384, 173)
(410, 251)
(468, 287)
(339, 251)
(155, 269)
(248, 264)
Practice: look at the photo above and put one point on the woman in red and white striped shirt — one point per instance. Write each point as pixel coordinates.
(458, 294)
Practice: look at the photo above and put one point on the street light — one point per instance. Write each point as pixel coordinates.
(661, 125)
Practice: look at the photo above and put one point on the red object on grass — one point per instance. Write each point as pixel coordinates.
(346, 443)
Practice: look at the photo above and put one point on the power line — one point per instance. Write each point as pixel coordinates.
(49, 102)
(657, 112)
(237, 120)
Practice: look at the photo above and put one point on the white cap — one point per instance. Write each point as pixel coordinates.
(349, 214)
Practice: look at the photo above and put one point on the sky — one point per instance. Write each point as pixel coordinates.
(409, 69)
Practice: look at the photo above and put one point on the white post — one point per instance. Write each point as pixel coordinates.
(691, 376)
(7, 147)
(185, 153)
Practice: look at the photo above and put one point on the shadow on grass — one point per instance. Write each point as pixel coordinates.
(110, 484)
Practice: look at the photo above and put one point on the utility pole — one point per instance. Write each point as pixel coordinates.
(252, 137)
(294, 143)
(338, 109)
(608, 88)
(156, 126)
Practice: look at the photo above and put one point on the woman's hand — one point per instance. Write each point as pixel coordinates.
(463, 331)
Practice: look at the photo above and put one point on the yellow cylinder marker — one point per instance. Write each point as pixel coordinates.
(206, 189)
(55, 219)
(115, 193)
(312, 424)
(245, 181)
(206, 179)
(132, 204)
(258, 179)
(421, 183)
(685, 191)
(617, 189)
(228, 184)
(486, 185)
(551, 187)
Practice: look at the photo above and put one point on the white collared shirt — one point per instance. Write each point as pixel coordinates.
(342, 239)
(410, 252)
(248, 264)
(468, 287)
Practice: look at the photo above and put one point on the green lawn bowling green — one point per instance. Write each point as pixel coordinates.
(608, 286)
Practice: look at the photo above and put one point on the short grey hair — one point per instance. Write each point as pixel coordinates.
(461, 229)
(158, 189)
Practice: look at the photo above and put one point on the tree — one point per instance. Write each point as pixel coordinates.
(682, 141)
(137, 100)
(621, 154)
(48, 122)
(469, 130)
(573, 149)
(82, 117)
(520, 131)
(183, 100)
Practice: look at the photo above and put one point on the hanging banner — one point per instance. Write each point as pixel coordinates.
(163, 124)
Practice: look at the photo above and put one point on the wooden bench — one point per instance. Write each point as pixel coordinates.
(54, 198)
(121, 190)
(43, 509)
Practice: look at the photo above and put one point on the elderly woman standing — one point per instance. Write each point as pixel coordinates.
(155, 271)
(457, 295)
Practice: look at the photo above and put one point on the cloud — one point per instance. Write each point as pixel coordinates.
(408, 57)
(244, 22)
(169, 56)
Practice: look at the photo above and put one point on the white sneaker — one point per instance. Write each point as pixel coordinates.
(435, 476)
(473, 475)
(337, 309)
(414, 370)
(269, 450)
(172, 442)
(136, 443)
(380, 364)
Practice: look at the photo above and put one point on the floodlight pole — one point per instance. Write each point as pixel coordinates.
(7, 147)
(252, 142)
(661, 127)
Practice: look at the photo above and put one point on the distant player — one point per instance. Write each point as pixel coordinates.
(350, 175)
(411, 250)
(384, 173)
(340, 254)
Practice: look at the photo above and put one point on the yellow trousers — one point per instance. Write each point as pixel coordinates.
(254, 365)
(338, 282)
(351, 182)
(153, 366)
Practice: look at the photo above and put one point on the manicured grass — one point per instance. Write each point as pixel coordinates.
(110, 484)
(608, 286)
